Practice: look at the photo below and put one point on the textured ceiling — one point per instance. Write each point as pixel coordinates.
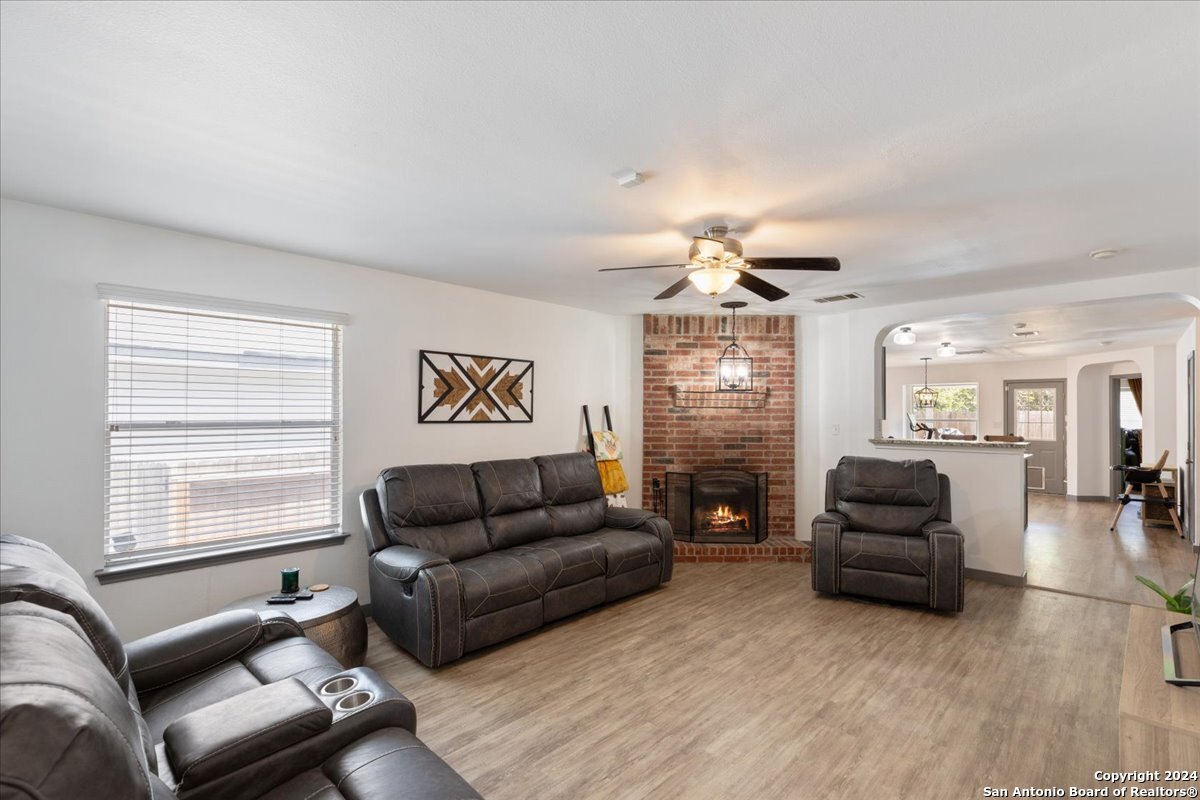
(1065, 330)
(936, 148)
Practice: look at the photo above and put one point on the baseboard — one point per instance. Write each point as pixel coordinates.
(994, 577)
(1090, 498)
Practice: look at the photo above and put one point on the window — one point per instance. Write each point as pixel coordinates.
(1131, 416)
(222, 428)
(1036, 419)
(956, 409)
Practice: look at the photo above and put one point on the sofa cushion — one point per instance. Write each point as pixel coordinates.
(496, 581)
(626, 550)
(511, 491)
(882, 496)
(883, 552)
(572, 492)
(433, 507)
(567, 561)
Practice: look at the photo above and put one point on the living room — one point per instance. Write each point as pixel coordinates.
(387, 222)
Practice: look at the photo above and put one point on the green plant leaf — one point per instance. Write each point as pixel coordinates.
(1154, 587)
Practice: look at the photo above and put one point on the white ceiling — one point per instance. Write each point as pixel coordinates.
(1066, 330)
(936, 148)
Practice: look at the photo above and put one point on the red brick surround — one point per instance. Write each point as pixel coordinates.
(682, 351)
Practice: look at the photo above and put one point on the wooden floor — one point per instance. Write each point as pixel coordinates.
(1068, 547)
(737, 681)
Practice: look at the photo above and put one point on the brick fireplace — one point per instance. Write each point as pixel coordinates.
(750, 434)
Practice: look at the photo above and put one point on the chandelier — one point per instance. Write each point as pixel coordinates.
(735, 368)
(925, 397)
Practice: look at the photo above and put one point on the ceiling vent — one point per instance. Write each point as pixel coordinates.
(837, 298)
(971, 352)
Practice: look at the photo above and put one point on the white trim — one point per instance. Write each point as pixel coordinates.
(134, 294)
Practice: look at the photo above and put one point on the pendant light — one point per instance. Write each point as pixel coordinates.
(735, 368)
(925, 397)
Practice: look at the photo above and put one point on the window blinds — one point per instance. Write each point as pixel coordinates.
(221, 428)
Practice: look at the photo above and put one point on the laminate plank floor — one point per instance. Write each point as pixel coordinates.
(1068, 547)
(738, 681)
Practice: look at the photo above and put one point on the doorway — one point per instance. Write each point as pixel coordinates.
(1125, 426)
(1189, 463)
(1037, 410)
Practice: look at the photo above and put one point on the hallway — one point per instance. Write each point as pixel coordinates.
(1069, 548)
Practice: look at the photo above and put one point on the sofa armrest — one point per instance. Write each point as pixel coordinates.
(237, 732)
(402, 563)
(171, 655)
(639, 519)
(938, 526)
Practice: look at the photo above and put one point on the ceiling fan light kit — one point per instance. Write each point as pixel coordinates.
(905, 336)
(719, 264)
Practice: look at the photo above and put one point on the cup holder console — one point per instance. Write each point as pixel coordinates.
(339, 685)
(353, 701)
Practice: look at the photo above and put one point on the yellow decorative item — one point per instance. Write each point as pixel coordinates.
(612, 477)
(608, 446)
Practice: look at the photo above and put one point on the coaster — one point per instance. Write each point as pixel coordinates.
(318, 587)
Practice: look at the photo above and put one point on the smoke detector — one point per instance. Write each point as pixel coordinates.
(628, 178)
(1101, 255)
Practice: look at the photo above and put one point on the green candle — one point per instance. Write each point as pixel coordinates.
(291, 580)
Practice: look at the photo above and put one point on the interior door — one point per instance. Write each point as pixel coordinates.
(1037, 410)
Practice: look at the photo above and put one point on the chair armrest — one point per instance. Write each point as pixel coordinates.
(627, 518)
(402, 563)
(831, 518)
(938, 526)
(241, 730)
(174, 654)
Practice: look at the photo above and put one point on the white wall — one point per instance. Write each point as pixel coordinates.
(990, 375)
(52, 387)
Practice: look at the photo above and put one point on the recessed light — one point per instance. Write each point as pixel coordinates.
(905, 336)
(1100, 255)
(1022, 334)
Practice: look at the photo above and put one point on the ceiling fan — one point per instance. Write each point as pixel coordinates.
(717, 261)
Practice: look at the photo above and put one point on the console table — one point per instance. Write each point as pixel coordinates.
(1160, 723)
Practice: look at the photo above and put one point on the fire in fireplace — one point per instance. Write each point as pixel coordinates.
(718, 505)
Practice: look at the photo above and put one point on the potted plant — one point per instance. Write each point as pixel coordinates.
(1180, 602)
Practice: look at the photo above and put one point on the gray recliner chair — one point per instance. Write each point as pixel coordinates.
(886, 533)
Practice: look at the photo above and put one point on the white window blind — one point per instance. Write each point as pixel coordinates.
(222, 428)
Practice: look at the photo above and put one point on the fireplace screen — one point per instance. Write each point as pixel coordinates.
(718, 505)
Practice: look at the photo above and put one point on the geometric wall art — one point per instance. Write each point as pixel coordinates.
(456, 387)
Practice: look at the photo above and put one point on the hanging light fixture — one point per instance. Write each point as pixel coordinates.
(905, 336)
(946, 350)
(925, 397)
(735, 368)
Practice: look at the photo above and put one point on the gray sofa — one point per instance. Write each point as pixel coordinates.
(236, 705)
(465, 557)
(887, 533)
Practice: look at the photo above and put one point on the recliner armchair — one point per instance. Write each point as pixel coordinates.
(887, 533)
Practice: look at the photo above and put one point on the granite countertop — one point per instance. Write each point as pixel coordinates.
(951, 444)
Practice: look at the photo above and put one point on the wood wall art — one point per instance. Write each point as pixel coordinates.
(457, 387)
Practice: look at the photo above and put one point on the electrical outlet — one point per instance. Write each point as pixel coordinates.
(837, 430)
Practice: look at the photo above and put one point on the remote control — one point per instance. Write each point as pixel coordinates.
(281, 600)
(303, 595)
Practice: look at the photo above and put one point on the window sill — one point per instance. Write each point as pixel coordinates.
(114, 573)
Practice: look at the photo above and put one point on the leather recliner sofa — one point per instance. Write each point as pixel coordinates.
(465, 557)
(887, 533)
(235, 705)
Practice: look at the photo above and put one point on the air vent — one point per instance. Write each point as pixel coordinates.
(971, 352)
(837, 298)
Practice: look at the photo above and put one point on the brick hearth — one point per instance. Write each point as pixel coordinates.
(773, 548)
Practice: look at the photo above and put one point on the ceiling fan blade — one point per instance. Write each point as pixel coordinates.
(674, 289)
(709, 248)
(818, 264)
(767, 291)
(652, 266)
